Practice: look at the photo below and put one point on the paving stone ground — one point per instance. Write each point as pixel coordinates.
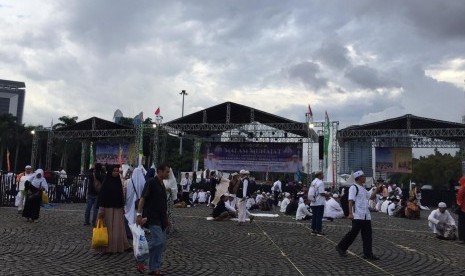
(60, 245)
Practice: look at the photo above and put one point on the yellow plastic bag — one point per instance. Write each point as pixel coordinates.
(44, 198)
(100, 235)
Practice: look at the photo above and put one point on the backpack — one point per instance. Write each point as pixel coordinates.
(312, 192)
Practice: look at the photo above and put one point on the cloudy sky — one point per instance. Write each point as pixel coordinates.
(362, 61)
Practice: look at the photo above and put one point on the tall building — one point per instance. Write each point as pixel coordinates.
(12, 95)
(356, 155)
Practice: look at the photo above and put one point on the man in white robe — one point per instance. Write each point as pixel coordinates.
(333, 209)
(442, 223)
(285, 202)
(302, 211)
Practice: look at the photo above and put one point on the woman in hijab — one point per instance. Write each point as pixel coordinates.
(134, 188)
(171, 187)
(111, 203)
(34, 190)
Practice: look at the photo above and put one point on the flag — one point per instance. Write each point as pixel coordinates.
(157, 112)
(8, 160)
(91, 155)
(310, 110)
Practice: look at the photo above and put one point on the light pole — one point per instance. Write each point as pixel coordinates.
(183, 93)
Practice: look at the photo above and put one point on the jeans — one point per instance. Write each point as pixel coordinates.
(317, 217)
(157, 241)
(91, 201)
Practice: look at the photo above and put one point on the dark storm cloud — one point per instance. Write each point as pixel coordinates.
(308, 73)
(333, 54)
(370, 78)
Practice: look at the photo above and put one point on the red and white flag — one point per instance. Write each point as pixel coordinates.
(157, 112)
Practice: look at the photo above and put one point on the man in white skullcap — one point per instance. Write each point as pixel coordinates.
(243, 193)
(442, 223)
(360, 216)
(333, 209)
(285, 202)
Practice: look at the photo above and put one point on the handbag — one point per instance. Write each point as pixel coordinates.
(100, 235)
(44, 198)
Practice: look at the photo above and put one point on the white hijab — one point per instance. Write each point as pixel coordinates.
(138, 179)
(39, 182)
(171, 183)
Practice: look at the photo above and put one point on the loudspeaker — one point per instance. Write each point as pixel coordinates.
(321, 145)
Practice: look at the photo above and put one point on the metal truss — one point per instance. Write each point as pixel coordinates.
(48, 156)
(35, 149)
(414, 138)
(85, 134)
(443, 133)
(177, 128)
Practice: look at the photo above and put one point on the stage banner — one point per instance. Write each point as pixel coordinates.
(106, 153)
(258, 157)
(396, 160)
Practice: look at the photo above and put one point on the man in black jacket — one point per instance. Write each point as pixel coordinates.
(152, 206)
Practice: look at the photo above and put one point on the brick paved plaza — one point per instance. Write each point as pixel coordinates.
(60, 245)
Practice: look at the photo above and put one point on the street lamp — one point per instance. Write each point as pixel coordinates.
(183, 93)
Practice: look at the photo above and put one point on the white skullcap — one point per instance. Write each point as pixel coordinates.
(335, 195)
(442, 205)
(242, 171)
(358, 174)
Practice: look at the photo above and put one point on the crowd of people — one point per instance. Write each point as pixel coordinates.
(122, 196)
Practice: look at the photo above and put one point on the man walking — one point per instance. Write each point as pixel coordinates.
(317, 203)
(360, 216)
(152, 206)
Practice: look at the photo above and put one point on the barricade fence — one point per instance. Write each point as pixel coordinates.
(60, 190)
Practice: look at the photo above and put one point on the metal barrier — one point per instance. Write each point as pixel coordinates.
(60, 190)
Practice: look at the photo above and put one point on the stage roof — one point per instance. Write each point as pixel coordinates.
(92, 123)
(406, 125)
(407, 121)
(238, 115)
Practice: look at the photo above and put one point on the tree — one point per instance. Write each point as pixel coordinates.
(65, 121)
(8, 133)
(437, 169)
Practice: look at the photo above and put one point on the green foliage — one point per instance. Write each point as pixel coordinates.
(437, 169)
(65, 121)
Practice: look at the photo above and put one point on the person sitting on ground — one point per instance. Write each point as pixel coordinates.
(442, 223)
(195, 197)
(251, 203)
(260, 197)
(229, 205)
(333, 209)
(202, 197)
(220, 212)
(302, 211)
(266, 204)
(291, 208)
(389, 206)
(285, 202)
(399, 212)
(395, 191)
(412, 210)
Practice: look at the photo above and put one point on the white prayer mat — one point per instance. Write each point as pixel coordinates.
(255, 215)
